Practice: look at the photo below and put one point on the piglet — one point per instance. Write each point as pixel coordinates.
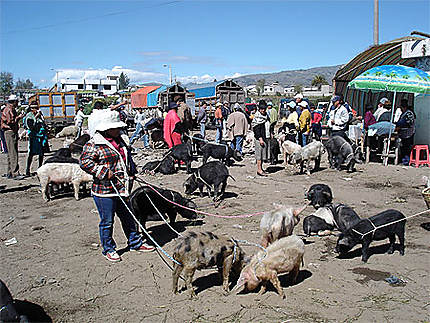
(314, 224)
(199, 250)
(283, 256)
(278, 223)
(391, 223)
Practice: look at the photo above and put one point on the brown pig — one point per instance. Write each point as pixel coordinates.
(283, 256)
(198, 250)
(278, 223)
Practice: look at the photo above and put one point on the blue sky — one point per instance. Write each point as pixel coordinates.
(201, 40)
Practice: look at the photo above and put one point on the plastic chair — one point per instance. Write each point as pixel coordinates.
(416, 152)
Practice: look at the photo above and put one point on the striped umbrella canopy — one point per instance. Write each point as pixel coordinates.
(395, 78)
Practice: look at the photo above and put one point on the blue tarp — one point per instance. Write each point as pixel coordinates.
(152, 98)
(205, 90)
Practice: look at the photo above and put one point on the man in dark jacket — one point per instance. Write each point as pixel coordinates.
(406, 129)
(9, 125)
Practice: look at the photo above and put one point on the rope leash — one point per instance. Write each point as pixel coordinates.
(161, 216)
(387, 224)
(142, 228)
(197, 211)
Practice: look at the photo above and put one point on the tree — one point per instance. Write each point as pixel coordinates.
(124, 81)
(6, 83)
(27, 84)
(298, 88)
(260, 86)
(319, 80)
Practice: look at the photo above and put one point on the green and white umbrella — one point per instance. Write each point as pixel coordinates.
(393, 78)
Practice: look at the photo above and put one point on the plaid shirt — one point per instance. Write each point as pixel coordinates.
(98, 157)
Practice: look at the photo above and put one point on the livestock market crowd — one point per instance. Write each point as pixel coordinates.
(103, 154)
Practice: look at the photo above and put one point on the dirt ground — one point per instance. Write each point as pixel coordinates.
(57, 262)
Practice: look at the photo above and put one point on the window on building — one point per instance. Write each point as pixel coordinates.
(63, 86)
(80, 86)
(106, 87)
(95, 86)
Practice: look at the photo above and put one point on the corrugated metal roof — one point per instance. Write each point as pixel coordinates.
(139, 98)
(204, 90)
(389, 53)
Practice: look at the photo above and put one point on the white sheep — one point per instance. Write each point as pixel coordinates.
(60, 173)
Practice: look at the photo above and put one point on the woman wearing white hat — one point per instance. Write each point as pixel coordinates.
(107, 157)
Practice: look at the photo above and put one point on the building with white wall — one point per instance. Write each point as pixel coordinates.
(108, 86)
(273, 89)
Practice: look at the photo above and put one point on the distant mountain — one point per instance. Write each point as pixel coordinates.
(293, 77)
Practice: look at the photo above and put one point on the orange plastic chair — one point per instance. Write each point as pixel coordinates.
(415, 157)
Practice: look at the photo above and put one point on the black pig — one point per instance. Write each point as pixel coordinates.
(165, 166)
(211, 175)
(367, 230)
(145, 211)
(341, 152)
(319, 195)
(220, 151)
(314, 224)
(183, 152)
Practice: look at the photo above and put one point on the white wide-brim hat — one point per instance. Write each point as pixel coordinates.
(298, 96)
(109, 120)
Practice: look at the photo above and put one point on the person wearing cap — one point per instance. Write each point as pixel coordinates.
(107, 157)
(383, 103)
(259, 128)
(172, 138)
(237, 125)
(339, 118)
(406, 129)
(9, 125)
(218, 122)
(386, 115)
(299, 99)
(305, 120)
(37, 135)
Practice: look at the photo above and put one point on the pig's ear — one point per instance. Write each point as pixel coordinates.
(296, 212)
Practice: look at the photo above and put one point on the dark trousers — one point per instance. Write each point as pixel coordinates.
(406, 146)
(12, 152)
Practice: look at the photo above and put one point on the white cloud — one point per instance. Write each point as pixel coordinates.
(136, 77)
(97, 74)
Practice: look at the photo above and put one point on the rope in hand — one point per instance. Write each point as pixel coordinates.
(197, 211)
(141, 226)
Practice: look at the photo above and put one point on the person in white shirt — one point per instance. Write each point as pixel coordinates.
(79, 119)
(138, 119)
(381, 108)
(339, 118)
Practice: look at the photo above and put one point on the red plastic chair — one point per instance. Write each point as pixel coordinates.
(416, 152)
